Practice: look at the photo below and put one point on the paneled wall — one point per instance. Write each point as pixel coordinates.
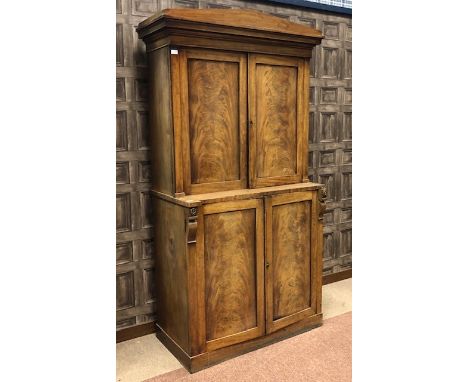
(329, 146)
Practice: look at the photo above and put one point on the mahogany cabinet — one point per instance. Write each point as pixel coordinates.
(238, 225)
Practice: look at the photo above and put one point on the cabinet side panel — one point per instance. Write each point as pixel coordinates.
(171, 271)
(230, 282)
(291, 258)
(162, 137)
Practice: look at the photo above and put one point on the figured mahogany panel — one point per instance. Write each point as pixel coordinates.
(291, 258)
(290, 294)
(230, 273)
(233, 272)
(214, 99)
(276, 120)
(214, 120)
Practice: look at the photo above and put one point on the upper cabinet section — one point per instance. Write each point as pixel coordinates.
(229, 99)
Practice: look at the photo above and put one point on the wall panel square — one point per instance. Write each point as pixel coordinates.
(125, 291)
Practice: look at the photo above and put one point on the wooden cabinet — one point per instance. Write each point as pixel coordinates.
(238, 230)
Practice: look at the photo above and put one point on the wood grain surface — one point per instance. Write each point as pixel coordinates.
(176, 123)
(276, 120)
(214, 100)
(231, 245)
(243, 264)
(214, 120)
(290, 285)
(330, 146)
(238, 18)
(171, 271)
(291, 258)
(162, 139)
(230, 273)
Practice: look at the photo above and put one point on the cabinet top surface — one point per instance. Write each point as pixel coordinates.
(238, 18)
(232, 195)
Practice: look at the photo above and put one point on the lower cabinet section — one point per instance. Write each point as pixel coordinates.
(248, 274)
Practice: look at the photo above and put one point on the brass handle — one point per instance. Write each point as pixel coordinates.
(267, 265)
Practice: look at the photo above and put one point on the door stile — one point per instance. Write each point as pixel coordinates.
(184, 120)
(251, 107)
(305, 122)
(198, 334)
(315, 282)
(260, 274)
(268, 263)
(317, 221)
(177, 124)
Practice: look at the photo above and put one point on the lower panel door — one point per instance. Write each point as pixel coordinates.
(231, 264)
(289, 261)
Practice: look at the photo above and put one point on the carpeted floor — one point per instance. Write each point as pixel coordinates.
(320, 355)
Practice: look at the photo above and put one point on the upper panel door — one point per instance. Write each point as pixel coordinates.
(230, 251)
(276, 120)
(291, 267)
(213, 120)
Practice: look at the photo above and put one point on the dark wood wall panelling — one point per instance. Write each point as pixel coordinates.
(330, 140)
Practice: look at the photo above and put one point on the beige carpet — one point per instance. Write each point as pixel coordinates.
(146, 357)
(320, 355)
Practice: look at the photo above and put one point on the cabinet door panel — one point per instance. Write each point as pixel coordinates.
(233, 272)
(289, 259)
(214, 101)
(276, 98)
